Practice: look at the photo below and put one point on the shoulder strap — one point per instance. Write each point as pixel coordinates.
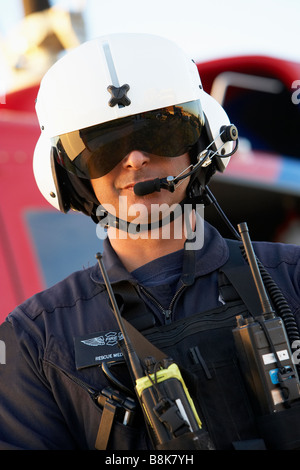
(238, 272)
(136, 318)
(142, 346)
(133, 308)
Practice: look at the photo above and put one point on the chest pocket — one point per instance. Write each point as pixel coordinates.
(203, 346)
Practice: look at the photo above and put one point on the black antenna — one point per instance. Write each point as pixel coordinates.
(263, 297)
(132, 356)
(220, 211)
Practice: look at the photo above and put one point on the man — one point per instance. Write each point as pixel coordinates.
(130, 138)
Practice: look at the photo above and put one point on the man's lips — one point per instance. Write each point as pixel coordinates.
(132, 184)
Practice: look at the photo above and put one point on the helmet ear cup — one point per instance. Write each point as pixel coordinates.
(61, 183)
(215, 120)
(43, 167)
(73, 192)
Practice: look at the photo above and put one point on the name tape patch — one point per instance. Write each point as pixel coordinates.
(93, 349)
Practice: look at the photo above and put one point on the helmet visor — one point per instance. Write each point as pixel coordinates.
(94, 151)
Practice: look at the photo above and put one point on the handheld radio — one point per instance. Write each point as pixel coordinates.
(170, 415)
(264, 349)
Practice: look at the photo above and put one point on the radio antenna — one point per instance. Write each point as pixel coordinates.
(132, 355)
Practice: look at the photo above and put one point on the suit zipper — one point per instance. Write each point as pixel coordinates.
(167, 312)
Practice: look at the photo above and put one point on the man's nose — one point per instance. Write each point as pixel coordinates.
(135, 160)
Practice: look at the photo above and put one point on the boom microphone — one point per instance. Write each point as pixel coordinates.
(147, 187)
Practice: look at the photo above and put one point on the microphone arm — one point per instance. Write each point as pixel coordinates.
(169, 183)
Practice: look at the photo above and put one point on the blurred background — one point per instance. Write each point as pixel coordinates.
(248, 57)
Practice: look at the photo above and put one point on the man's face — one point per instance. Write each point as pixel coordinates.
(139, 166)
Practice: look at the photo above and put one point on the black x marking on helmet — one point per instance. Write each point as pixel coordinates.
(118, 95)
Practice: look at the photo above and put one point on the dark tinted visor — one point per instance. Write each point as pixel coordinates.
(167, 132)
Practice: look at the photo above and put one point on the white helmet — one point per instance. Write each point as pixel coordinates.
(112, 83)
